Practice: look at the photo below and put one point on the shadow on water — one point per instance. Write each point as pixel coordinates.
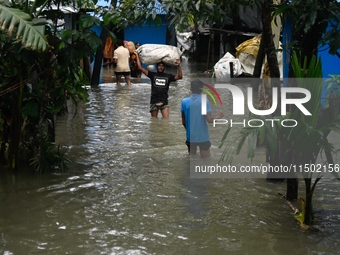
(129, 190)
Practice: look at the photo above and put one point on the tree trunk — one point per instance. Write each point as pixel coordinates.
(292, 188)
(309, 206)
(86, 64)
(209, 49)
(308, 43)
(98, 60)
(272, 69)
(292, 180)
(258, 66)
(15, 131)
(267, 36)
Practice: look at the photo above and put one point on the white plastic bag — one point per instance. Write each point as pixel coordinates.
(248, 62)
(222, 67)
(185, 41)
(150, 54)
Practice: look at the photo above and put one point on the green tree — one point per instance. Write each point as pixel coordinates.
(40, 68)
(314, 23)
(305, 141)
(310, 21)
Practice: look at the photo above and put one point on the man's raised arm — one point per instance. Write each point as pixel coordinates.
(139, 64)
(179, 70)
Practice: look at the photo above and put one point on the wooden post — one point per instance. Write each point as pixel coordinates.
(231, 69)
(212, 48)
(209, 46)
(221, 47)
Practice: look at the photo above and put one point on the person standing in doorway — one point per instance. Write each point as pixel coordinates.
(108, 52)
(195, 124)
(160, 82)
(121, 58)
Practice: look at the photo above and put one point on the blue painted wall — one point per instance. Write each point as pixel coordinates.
(330, 63)
(97, 29)
(147, 33)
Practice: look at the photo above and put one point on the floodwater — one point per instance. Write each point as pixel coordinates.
(129, 190)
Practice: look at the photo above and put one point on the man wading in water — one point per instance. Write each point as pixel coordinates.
(160, 82)
(197, 132)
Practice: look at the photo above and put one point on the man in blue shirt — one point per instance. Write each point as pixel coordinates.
(197, 133)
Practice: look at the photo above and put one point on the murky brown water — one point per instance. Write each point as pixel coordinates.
(129, 191)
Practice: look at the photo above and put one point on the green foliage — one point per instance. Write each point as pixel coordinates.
(124, 13)
(310, 16)
(204, 12)
(266, 134)
(35, 83)
(333, 83)
(29, 31)
(87, 21)
(52, 158)
(309, 77)
(306, 140)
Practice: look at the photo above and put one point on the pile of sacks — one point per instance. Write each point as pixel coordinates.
(244, 63)
(150, 54)
(246, 52)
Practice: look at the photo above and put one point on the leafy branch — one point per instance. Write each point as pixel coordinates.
(31, 32)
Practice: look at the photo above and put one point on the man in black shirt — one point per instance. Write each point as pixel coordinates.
(160, 82)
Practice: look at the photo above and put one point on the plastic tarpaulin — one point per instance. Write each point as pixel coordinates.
(247, 51)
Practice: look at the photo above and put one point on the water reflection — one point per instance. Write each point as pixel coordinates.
(130, 192)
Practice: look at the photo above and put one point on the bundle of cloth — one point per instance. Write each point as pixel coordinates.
(150, 54)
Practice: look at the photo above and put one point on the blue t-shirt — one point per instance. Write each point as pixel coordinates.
(160, 83)
(196, 124)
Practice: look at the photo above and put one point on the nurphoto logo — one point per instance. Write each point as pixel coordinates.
(238, 103)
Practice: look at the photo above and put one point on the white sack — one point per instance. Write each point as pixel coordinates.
(248, 63)
(222, 68)
(150, 54)
(185, 40)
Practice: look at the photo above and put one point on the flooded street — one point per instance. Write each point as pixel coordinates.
(129, 190)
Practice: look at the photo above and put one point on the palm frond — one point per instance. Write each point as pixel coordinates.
(252, 144)
(30, 32)
(310, 78)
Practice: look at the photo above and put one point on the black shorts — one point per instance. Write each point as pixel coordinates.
(203, 145)
(122, 73)
(155, 107)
